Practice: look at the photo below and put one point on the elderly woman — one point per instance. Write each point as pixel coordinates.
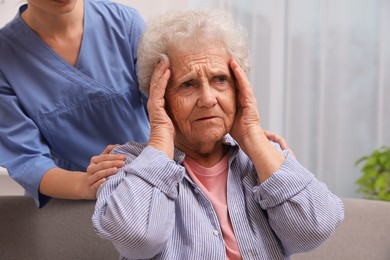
(208, 184)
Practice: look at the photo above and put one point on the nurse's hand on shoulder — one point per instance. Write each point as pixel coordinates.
(101, 166)
(279, 140)
(60, 183)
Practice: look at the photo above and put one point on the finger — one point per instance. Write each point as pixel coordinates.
(244, 85)
(107, 157)
(97, 176)
(93, 168)
(280, 140)
(95, 186)
(276, 138)
(156, 100)
(159, 79)
(159, 89)
(105, 173)
(270, 135)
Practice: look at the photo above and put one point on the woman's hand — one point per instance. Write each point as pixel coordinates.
(247, 120)
(162, 131)
(247, 131)
(247, 115)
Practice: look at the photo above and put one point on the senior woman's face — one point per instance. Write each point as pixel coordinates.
(201, 96)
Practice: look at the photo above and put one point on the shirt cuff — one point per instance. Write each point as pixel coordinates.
(289, 180)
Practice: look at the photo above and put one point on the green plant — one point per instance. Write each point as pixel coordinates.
(375, 182)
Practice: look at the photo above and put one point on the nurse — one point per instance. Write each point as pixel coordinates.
(68, 89)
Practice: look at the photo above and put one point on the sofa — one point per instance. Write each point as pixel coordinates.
(363, 235)
(62, 230)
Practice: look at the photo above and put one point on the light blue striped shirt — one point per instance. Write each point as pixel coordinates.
(151, 209)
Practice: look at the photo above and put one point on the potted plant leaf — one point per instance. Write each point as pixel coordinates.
(375, 181)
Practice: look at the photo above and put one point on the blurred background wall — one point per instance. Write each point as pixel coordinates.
(321, 75)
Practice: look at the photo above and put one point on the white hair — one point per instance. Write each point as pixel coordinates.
(170, 30)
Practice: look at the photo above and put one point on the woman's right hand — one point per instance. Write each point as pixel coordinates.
(162, 130)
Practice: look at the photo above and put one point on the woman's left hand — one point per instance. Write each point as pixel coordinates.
(247, 131)
(247, 120)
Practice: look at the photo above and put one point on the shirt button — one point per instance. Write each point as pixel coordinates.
(215, 232)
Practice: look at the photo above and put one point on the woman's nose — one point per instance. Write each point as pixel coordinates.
(207, 96)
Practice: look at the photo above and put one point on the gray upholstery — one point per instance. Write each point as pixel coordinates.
(364, 234)
(60, 230)
(63, 230)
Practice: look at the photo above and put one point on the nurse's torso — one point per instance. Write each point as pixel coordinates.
(80, 110)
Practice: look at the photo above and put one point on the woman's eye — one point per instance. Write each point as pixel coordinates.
(221, 79)
(187, 84)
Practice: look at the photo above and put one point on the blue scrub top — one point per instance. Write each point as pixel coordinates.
(55, 115)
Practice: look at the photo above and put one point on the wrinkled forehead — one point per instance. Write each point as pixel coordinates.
(193, 61)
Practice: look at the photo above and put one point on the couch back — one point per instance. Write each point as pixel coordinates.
(62, 230)
(363, 235)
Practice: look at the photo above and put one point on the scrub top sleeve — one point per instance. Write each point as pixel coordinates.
(136, 30)
(23, 150)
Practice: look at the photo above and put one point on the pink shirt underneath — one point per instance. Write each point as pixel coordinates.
(213, 182)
